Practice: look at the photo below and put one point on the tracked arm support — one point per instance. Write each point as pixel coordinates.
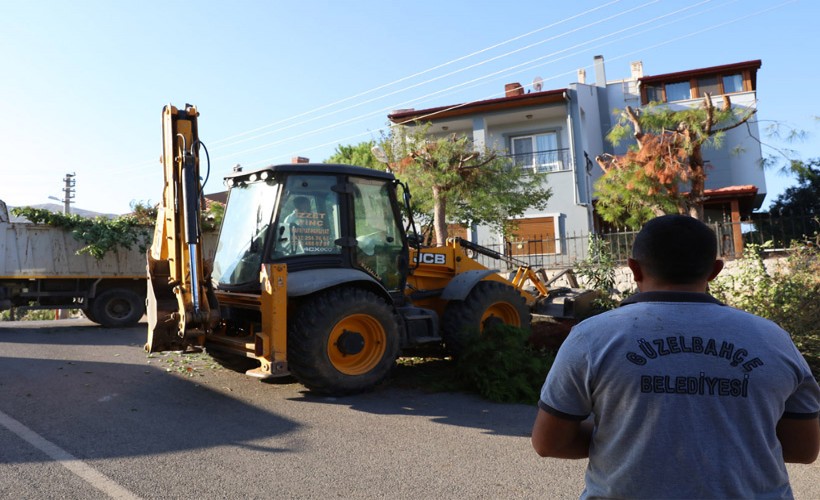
(181, 305)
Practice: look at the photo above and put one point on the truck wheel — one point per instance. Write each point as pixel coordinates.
(117, 307)
(488, 302)
(343, 341)
(88, 314)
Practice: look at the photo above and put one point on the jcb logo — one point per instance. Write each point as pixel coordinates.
(432, 258)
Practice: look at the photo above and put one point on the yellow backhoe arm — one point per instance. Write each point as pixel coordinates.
(181, 306)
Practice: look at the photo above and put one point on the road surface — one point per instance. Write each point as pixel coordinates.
(85, 413)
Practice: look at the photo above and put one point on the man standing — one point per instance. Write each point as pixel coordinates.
(675, 395)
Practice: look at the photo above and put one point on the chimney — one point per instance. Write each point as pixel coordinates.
(600, 73)
(299, 159)
(603, 98)
(582, 75)
(637, 69)
(513, 89)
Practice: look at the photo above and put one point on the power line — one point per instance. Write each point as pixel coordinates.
(405, 103)
(220, 143)
(414, 75)
(448, 63)
(472, 82)
(445, 75)
(622, 56)
(462, 84)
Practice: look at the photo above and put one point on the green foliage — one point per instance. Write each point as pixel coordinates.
(144, 212)
(629, 200)
(658, 118)
(471, 186)
(787, 296)
(211, 219)
(803, 199)
(501, 366)
(360, 154)
(100, 234)
(185, 364)
(598, 272)
(29, 315)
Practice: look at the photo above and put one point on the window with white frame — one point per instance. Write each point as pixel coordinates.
(538, 152)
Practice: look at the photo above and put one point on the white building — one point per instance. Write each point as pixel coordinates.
(561, 131)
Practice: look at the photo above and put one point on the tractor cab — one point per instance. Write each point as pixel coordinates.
(311, 217)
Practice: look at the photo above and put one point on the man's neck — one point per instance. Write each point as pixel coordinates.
(653, 286)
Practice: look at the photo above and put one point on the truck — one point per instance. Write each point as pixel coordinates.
(41, 268)
(316, 273)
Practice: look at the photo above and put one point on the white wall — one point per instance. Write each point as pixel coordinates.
(569, 189)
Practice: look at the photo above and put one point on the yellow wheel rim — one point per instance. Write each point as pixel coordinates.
(502, 311)
(356, 344)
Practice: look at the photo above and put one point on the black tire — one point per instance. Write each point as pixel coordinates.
(343, 341)
(487, 302)
(117, 307)
(88, 314)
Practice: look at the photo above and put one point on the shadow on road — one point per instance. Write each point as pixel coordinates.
(70, 332)
(458, 409)
(109, 409)
(137, 400)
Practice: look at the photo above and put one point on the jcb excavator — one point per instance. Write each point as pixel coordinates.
(313, 273)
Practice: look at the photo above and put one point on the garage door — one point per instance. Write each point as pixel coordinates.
(534, 236)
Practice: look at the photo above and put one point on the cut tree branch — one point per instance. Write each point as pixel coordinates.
(739, 123)
(636, 124)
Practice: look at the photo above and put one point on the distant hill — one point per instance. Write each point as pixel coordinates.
(54, 207)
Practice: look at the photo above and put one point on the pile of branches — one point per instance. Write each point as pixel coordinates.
(99, 235)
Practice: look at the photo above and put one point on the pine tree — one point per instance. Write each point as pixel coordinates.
(457, 183)
(664, 172)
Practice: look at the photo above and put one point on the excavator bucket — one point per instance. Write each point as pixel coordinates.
(179, 299)
(161, 308)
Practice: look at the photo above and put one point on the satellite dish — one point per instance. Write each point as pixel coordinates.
(537, 84)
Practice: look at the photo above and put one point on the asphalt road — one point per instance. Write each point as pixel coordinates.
(85, 413)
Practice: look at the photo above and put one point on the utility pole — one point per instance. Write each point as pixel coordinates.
(68, 197)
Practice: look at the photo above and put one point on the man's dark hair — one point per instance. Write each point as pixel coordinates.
(301, 203)
(676, 249)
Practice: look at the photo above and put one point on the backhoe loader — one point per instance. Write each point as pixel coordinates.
(313, 274)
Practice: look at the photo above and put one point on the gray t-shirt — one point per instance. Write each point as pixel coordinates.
(685, 394)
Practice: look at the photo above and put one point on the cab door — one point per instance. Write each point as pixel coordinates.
(380, 247)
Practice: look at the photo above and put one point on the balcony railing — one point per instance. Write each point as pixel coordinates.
(552, 160)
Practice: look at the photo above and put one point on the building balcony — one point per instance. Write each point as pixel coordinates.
(553, 160)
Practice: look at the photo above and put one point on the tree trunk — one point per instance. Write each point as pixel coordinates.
(439, 218)
(698, 179)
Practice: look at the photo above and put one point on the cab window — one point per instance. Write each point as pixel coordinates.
(308, 222)
(379, 247)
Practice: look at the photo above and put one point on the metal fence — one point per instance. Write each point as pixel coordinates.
(568, 249)
(782, 231)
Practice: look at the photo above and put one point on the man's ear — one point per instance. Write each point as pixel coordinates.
(635, 266)
(716, 269)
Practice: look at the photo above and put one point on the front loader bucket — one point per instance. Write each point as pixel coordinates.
(567, 303)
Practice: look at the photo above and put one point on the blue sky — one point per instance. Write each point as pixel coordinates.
(84, 82)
